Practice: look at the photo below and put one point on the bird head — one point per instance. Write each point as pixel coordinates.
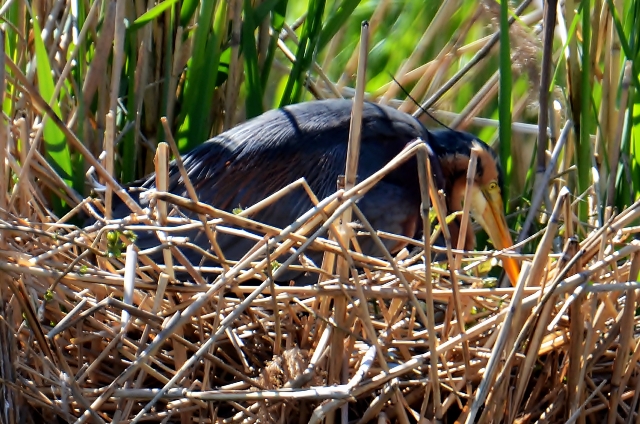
(453, 149)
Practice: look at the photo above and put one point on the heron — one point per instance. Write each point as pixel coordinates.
(309, 140)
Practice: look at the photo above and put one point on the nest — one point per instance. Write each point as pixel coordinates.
(94, 330)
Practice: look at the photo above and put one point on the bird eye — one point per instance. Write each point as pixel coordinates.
(493, 185)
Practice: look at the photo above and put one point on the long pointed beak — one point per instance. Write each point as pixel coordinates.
(487, 209)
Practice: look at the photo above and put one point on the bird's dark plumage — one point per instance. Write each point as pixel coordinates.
(255, 159)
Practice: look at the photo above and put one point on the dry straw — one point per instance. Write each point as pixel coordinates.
(90, 337)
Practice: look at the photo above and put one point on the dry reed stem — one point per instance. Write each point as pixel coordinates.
(498, 349)
(444, 13)
(424, 170)
(231, 93)
(464, 221)
(482, 53)
(485, 94)
(440, 208)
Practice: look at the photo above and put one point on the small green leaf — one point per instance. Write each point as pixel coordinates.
(484, 267)
(634, 134)
(48, 296)
(112, 236)
(151, 14)
(277, 22)
(130, 235)
(490, 283)
(223, 67)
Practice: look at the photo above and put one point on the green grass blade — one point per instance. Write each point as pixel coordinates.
(632, 26)
(570, 34)
(252, 71)
(57, 150)
(304, 54)
(201, 76)
(188, 9)
(626, 48)
(11, 49)
(635, 143)
(336, 21)
(262, 11)
(584, 140)
(629, 170)
(277, 22)
(504, 100)
(77, 72)
(151, 14)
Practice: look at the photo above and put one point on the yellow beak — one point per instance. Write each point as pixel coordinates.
(487, 209)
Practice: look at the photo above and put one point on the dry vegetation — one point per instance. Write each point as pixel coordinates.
(92, 330)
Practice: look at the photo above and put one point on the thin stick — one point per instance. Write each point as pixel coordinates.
(118, 55)
(353, 148)
(627, 330)
(497, 352)
(541, 257)
(234, 10)
(464, 220)
(576, 415)
(438, 201)
(424, 171)
(550, 8)
(129, 283)
(162, 184)
(535, 275)
(351, 171)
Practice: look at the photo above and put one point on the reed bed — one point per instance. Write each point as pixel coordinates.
(94, 330)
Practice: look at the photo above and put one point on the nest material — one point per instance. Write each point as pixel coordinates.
(93, 330)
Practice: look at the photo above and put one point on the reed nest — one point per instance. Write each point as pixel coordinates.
(94, 330)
